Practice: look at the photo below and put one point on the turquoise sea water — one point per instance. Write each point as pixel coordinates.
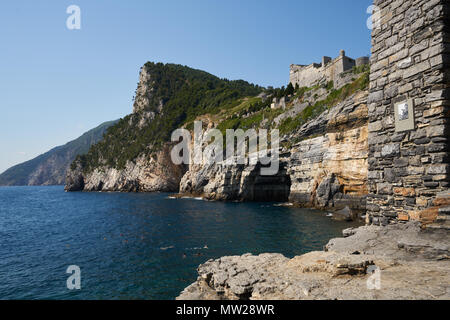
(136, 246)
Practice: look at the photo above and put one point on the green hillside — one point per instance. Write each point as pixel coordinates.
(50, 167)
(184, 93)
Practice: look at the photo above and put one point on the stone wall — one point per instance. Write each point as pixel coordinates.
(306, 76)
(409, 170)
(362, 61)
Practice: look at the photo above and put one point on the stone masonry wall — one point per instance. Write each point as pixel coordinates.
(305, 76)
(409, 171)
(308, 76)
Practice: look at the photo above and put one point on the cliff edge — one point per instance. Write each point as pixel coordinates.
(134, 155)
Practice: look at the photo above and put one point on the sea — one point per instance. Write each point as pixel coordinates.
(147, 246)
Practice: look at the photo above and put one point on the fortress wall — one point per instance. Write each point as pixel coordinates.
(331, 70)
(362, 61)
(347, 63)
(293, 75)
(409, 112)
(306, 76)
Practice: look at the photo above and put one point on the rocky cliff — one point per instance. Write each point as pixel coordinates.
(330, 169)
(323, 154)
(323, 162)
(134, 156)
(237, 182)
(144, 174)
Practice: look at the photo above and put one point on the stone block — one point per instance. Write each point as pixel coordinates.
(390, 150)
(415, 69)
(438, 169)
(375, 127)
(376, 96)
(405, 192)
(384, 188)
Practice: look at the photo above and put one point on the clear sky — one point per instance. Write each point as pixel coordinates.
(57, 83)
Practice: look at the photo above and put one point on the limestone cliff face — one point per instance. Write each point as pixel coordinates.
(144, 91)
(224, 182)
(237, 182)
(330, 170)
(327, 168)
(149, 172)
(145, 174)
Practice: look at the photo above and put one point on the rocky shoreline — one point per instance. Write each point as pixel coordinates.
(410, 262)
(324, 168)
(322, 165)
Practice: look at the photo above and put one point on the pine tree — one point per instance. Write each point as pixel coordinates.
(289, 89)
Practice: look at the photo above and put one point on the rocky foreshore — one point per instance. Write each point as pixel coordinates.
(399, 261)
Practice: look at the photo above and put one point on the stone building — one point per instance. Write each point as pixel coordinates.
(328, 70)
(278, 103)
(408, 104)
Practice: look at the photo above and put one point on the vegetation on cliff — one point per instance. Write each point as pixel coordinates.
(335, 96)
(176, 96)
(257, 113)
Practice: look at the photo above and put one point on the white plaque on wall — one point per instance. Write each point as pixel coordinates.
(404, 116)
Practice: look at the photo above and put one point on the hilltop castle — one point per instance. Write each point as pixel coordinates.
(328, 70)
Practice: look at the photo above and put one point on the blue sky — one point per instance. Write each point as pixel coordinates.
(58, 83)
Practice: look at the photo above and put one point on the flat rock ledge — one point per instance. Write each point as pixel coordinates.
(399, 261)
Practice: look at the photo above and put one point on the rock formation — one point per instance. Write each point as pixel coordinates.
(238, 182)
(327, 168)
(145, 174)
(386, 263)
(330, 170)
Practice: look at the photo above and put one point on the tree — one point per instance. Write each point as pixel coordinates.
(289, 89)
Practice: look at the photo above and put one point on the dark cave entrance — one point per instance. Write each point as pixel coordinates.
(274, 188)
(270, 189)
